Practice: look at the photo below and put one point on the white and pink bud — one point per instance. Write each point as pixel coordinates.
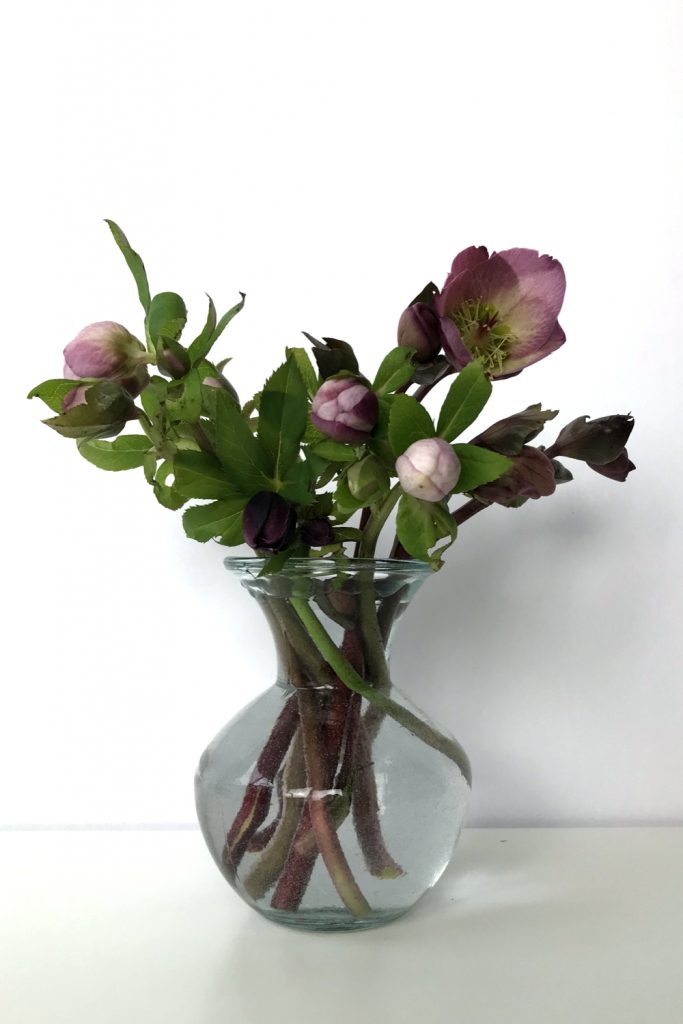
(105, 351)
(428, 469)
(345, 409)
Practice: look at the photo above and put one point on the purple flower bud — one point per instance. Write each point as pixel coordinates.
(172, 358)
(269, 523)
(420, 328)
(104, 351)
(428, 469)
(221, 383)
(532, 475)
(617, 469)
(598, 441)
(345, 409)
(317, 533)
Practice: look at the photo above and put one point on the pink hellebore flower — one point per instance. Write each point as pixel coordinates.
(502, 309)
(345, 410)
(428, 469)
(104, 351)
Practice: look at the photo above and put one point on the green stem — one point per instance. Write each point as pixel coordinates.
(376, 522)
(348, 675)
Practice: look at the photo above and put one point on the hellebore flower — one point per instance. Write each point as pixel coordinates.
(317, 533)
(617, 469)
(104, 351)
(532, 475)
(419, 328)
(502, 309)
(598, 441)
(345, 409)
(428, 469)
(172, 358)
(269, 523)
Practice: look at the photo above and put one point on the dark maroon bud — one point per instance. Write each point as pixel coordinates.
(269, 523)
(532, 475)
(617, 469)
(317, 533)
(596, 441)
(419, 327)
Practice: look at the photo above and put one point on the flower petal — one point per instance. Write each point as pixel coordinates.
(467, 260)
(455, 349)
(519, 358)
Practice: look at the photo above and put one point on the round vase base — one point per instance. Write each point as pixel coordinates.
(331, 919)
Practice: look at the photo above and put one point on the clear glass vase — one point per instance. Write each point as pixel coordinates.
(331, 802)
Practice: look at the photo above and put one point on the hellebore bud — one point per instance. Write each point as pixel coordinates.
(597, 441)
(532, 476)
(617, 469)
(510, 435)
(105, 351)
(223, 384)
(317, 533)
(172, 358)
(345, 410)
(419, 327)
(269, 523)
(428, 469)
(368, 480)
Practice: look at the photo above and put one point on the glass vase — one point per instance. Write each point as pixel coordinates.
(331, 802)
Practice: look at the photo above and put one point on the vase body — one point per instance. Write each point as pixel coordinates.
(331, 802)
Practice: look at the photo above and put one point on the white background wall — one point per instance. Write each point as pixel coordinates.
(329, 159)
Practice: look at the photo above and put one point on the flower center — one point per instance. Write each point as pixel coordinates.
(483, 333)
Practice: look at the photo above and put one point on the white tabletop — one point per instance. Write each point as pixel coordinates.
(528, 926)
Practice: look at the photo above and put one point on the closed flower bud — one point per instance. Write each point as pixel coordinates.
(172, 358)
(221, 383)
(428, 469)
(269, 523)
(532, 475)
(419, 327)
(345, 410)
(368, 480)
(317, 533)
(104, 351)
(596, 441)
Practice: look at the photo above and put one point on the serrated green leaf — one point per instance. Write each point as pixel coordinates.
(297, 487)
(334, 451)
(344, 502)
(104, 414)
(165, 493)
(219, 519)
(467, 396)
(396, 369)
(415, 527)
(135, 264)
(283, 416)
(241, 454)
(166, 318)
(200, 347)
(199, 475)
(126, 452)
(408, 422)
(154, 395)
(305, 368)
(53, 392)
(478, 466)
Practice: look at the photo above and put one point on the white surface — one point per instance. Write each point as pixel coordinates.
(534, 926)
(328, 160)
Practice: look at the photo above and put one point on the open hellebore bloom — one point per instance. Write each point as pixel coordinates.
(419, 328)
(345, 410)
(104, 351)
(269, 523)
(502, 309)
(428, 469)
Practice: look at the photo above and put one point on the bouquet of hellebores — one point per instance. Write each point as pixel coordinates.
(307, 473)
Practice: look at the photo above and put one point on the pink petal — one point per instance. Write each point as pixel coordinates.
(516, 362)
(456, 351)
(532, 305)
(467, 260)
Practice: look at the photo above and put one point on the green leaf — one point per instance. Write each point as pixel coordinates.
(199, 475)
(239, 452)
(226, 318)
(396, 369)
(297, 487)
(415, 527)
(166, 494)
(104, 414)
(344, 502)
(467, 396)
(305, 368)
(332, 355)
(53, 392)
(408, 422)
(126, 452)
(427, 295)
(154, 395)
(221, 519)
(201, 346)
(188, 406)
(334, 451)
(166, 318)
(283, 416)
(135, 264)
(478, 466)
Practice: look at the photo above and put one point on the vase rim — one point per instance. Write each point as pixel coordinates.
(322, 567)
